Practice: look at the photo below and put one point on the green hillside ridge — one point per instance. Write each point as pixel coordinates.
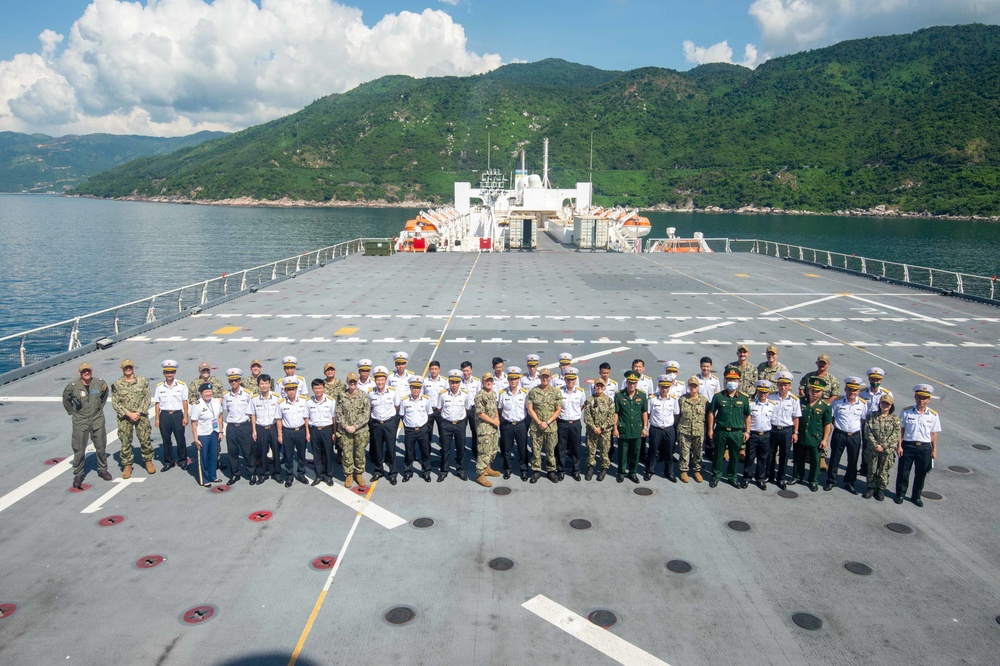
(907, 121)
(41, 163)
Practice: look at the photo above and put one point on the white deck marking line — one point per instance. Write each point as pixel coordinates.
(578, 627)
(587, 357)
(367, 508)
(800, 305)
(907, 312)
(120, 485)
(451, 315)
(23, 398)
(684, 334)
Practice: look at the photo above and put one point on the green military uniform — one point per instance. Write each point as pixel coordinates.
(691, 431)
(249, 383)
(132, 396)
(86, 406)
(730, 413)
(770, 373)
(812, 426)
(831, 389)
(194, 395)
(488, 434)
(599, 412)
(748, 377)
(353, 410)
(885, 430)
(629, 411)
(334, 389)
(544, 403)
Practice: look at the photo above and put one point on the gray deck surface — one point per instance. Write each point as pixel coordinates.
(932, 599)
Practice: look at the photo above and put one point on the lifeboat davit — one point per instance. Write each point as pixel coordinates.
(636, 226)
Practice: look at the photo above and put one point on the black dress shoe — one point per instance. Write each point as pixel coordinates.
(329, 481)
(288, 483)
(506, 474)
(782, 485)
(167, 467)
(762, 485)
(377, 475)
(671, 478)
(899, 499)
(620, 478)
(647, 476)
(553, 477)
(524, 476)
(426, 476)
(600, 475)
(743, 484)
(392, 479)
(232, 480)
(576, 476)
(868, 494)
(917, 501)
(407, 476)
(277, 478)
(813, 487)
(828, 487)
(633, 477)
(534, 477)
(561, 476)
(301, 478)
(442, 476)
(183, 465)
(851, 489)
(236, 477)
(462, 475)
(316, 481)
(713, 483)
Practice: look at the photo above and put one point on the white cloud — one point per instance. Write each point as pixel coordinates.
(721, 52)
(177, 66)
(788, 26)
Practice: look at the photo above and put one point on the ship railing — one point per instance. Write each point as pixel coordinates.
(28, 347)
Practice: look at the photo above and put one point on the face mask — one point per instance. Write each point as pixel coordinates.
(671, 376)
(732, 386)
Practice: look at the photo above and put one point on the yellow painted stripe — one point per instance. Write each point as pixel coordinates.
(346, 330)
(810, 275)
(305, 632)
(227, 330)
(742, 275)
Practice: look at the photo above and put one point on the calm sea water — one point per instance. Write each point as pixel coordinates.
(67, 257)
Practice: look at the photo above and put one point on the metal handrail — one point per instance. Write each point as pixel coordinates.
(39, 343)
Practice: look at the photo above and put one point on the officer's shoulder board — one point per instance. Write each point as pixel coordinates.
(159, 385)
(862, 400)
(281, 400)
(932, 412)
(523, 390)
(180, 383)
(887, 391)
(443, 391)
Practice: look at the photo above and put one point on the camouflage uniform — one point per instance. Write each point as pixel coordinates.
(832, 385)
(885, 430)
(86, 406)
(335, 389)
(770, 374)
(599, 412)
(249, 383)
(354, 410)
(544, 402)
(691, 431)
(748, 377)
(132, 397)
(488, 434)
(194, 394)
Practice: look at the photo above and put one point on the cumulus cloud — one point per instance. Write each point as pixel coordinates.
(721, 52)
(787, 26)
(177, 66)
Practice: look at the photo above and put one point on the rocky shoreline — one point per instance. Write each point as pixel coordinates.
(877, 211)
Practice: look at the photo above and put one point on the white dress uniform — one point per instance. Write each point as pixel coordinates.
(709, 386)
(662, 411)
(528, 382)
(499, 383)
(454, 406)
(415, 414)
(401, 383)
(785, 411)
(873, 398)
(434, 387)
(321, 412)
(846, 436)
(645, 383)
(918, 451)
(170, 397)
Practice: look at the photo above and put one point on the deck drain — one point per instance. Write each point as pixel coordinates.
(580, 524)
(958, 469)
(400, 615)
(198, 614)
(645, 492)
(423, 523)
(111, 521)
(31, 439)
(807, 621)
(603, 618)
(6, 610)
(982, 447)
(324, 562)
(931, 495)
(788, 494)
(679, 566)
(149, 561)
(738, 526)
(221, 488)
(16, 419)
(54, 461)
(260, 516)
(899, 528)
(859, 568)
(501, 564)
(502, 490)
(83, 486)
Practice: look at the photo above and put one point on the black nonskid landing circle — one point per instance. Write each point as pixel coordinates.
(807, 621)
(859, 568)
(679, 566)
(502, 490)
(643, 492)
(400, 615)
(788, 494)
(958, 469)
(603, 618)
(982, 447)
(899, 528)
(580, 524)
(931, 495)
(501, 564)
(423, 523)
(738, 526)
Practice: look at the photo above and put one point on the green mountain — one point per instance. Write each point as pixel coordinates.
(40, 163)
(909, 121)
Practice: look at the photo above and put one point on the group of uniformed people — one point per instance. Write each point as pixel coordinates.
(534, 419)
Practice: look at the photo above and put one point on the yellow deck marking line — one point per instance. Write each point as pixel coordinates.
(227, 330)
(329, 582)
(357, 519)
(742, 275)
(863, 350)
(811, 275)
(346, 330)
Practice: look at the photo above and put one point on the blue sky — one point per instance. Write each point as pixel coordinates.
(170, 67)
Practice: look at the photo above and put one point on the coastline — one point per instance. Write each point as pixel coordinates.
(881, 211)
